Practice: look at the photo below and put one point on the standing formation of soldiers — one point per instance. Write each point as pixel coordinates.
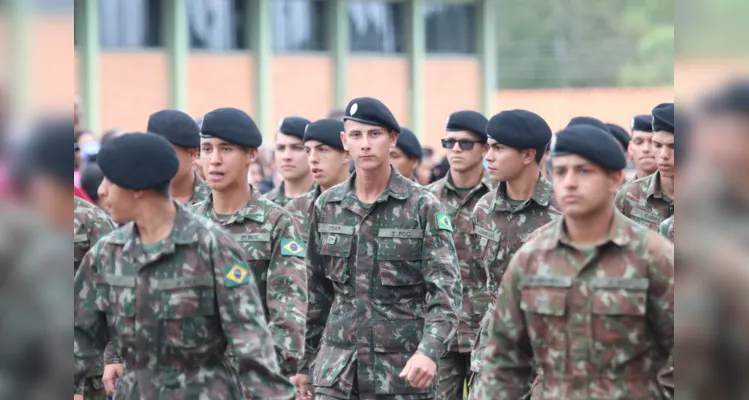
(497, 281)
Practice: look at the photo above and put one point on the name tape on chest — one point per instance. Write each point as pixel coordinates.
(333, 228)
(252, 237)
(647, 216)
(400, 233)
(486, 234)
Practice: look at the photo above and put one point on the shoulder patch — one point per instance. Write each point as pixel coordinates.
(443, 222)
(291, 247)
(236, 275)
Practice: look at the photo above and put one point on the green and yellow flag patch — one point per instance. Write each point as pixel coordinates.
(291, 247)
(236, 275)
(443, 222)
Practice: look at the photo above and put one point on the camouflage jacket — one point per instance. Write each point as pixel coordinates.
(596, 324)
(200, 191)
(301, 210)
(644, 201)
(91, 223)
(278, 195)
(499, 232)
(172, 312)
(275, 254)
(384, 283)
(666, 229)
(475, 293)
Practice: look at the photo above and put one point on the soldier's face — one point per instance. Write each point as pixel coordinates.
(465, 160)
(369, 146)
(581, 187)
(186, 159)
(291, 159)
(117, 201)
(327, 164)
(225, 165)
(504, 163)
(663, 145)
(403, 163)
(641, 151)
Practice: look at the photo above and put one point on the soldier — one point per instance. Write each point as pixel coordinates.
(328, 162)
(505, 218)
(621, 136)
(291, 161)
(589, 300)
(649, 200)
(384, 281)
(182, 132)
(170, 289)
(466, 182)
(641, 146)
(272, 247)
(406, 155)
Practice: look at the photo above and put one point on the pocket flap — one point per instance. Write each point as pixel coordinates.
(398, 336)
(619, 302)
(336, 245)
(399, 249)
(545, 301)
(329, 363)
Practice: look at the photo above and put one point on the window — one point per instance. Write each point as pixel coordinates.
(300, 25)
(130, 23)
(450, 28)
(54, 6)
(218, 24)
(376, 26)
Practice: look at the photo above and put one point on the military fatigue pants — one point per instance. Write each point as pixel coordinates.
(92, 388)
(473, 387)
(452, 373)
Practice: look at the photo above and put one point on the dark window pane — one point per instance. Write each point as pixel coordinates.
(450, 28)
(376, 26)
(300, 25)
(218, 24)
(130, 23)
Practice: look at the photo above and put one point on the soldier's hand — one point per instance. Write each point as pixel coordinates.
(419, 371)
(77, 397)
(301, 382)
(111, 373)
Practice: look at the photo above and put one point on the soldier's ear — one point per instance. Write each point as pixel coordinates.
(343, 140)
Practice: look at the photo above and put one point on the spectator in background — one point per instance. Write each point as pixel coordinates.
(91, 178)
(406, 155)
(424, 170)
(110, 134)
(256, 176)
(81, 139)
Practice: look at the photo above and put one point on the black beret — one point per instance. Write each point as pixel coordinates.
(293, 126)
(138, 161)
(467, 121)
(642, 123)
(588, 121)
(326, 131)
(370, 111)
(408, 142)
(591, 143)
(45, 152)
(731, 99)
(232, 125)
(620, 134)
(663, 117)
(176, 127)
(520, 129)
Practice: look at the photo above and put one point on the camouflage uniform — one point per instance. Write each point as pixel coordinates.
(384, 283)
(276, 257)
(597, 323)
(500, 231)
(644, 201)
(91, 223)
(200, 191)
(171, 309)
(666, 228)
(301, 210)
(456, 363)
(278, 195)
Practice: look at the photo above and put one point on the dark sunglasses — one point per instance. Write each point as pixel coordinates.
(465, 144)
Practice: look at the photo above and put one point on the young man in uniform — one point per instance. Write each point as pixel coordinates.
(406, 155)
(384, 281)
(641, 146)
(588, 302)
(328, 162)
(291, 162)
(182, 132)
(466, 182)
(172, 290)
(649, 200)
(523, 202)
(272, 247)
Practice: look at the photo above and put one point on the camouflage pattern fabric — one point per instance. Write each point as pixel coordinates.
(275, 255)
(200, 191)
(666, 229)
(172, 312)
(500, 231)
(384, 283)
(301, 210)
(643, 201)
(598, 324)
(278, 195)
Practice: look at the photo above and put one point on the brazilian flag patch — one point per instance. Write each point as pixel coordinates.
(236, 275)
(443, 222)
(291, 247)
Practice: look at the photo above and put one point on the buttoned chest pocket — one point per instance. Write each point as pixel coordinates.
(488, 246)
(399, 262)
(544, 303)
(335, 245)
(186, 307)
(116, 296)
(257, 253)
(619, 309)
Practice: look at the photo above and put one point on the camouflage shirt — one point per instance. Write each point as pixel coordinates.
(384, 283)
(200, 191)
(275, 254)
(666, 229)
(644, 201)
(459, 206)
(172, 308)
(278, 195)
(596, 323)
(91, 223)
(301, 209)
(500, 230)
